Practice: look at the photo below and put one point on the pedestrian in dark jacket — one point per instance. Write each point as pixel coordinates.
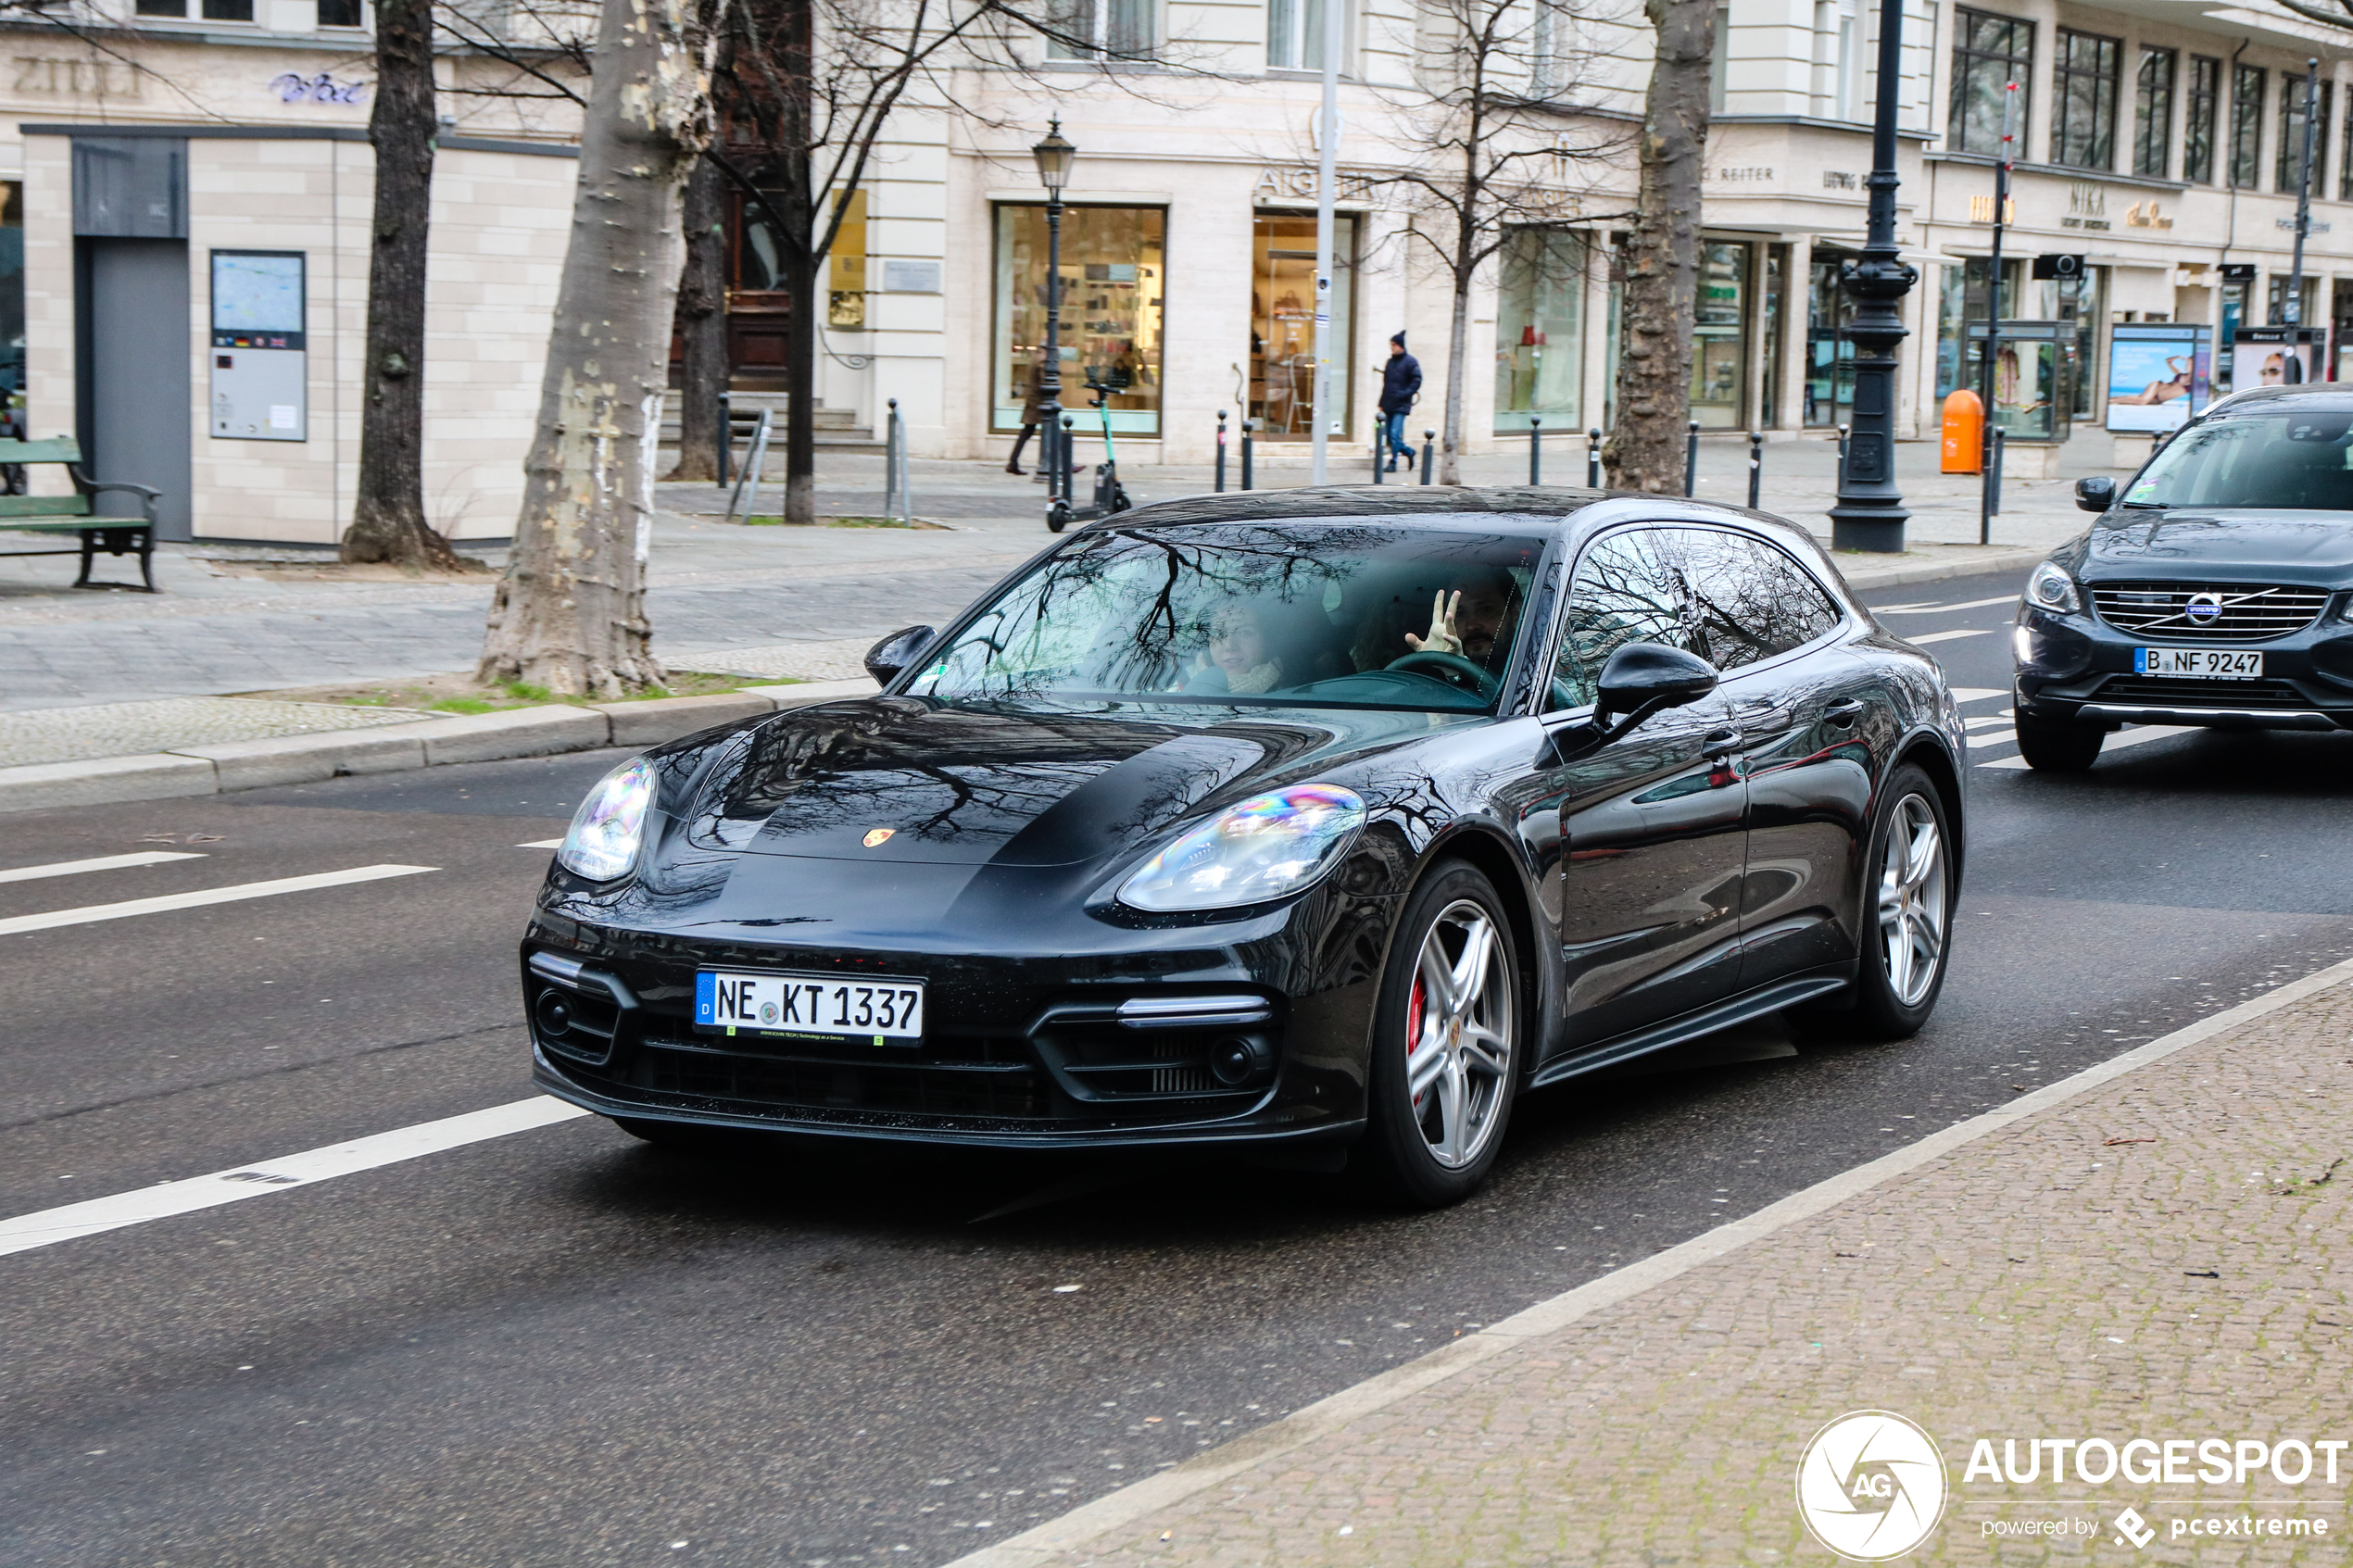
(1032, 411)
(1401, 382)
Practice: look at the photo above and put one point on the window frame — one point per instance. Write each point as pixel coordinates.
(2290, 150)
(2153, 111)
(2018, 66)
(2097, 142)
(2244, 169)
(1100, 18)
(2201, 119)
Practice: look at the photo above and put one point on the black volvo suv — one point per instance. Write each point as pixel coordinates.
(2216, 589)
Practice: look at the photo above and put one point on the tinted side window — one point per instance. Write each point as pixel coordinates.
(1750, 601)
(1628, 588)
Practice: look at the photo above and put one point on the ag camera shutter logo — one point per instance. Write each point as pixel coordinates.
(1870, 1485)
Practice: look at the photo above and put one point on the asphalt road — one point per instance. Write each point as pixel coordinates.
(561, 1347)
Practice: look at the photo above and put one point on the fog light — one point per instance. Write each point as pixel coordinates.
(2022, 644)
(554, 1013)
(1238, 1058)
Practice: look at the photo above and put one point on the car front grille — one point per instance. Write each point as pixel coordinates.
(2242, 612)
(2244, 695)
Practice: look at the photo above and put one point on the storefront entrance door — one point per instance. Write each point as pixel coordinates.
(1282, 324)
(135, 412)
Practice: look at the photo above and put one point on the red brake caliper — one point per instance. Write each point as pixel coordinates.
(1414, 1024)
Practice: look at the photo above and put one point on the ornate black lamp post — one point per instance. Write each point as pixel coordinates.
(1054, 157)
(1870, 513)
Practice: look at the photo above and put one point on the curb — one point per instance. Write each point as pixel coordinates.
(1090, 1522)
(546, 730)
(1865, 578)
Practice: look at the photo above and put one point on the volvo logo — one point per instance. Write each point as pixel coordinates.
(2203, 607)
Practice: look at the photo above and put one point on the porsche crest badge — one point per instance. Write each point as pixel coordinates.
(878, 836)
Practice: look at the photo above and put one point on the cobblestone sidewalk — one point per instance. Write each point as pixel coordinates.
(2157, 1257)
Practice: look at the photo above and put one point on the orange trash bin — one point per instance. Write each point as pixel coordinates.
(1964, 433)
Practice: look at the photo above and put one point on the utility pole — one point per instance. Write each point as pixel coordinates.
(2291, 308)
(1993, 315)
(1327, 168)
(1871, 513)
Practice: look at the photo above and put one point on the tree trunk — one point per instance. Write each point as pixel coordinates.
(1647, 450)
(1458, 349)
(701, 321)
(570, 614)
(388, 515)
(800, 263)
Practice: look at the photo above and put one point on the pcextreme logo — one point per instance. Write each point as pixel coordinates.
(1870, 1485)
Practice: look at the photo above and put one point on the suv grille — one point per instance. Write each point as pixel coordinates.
(2166, 693)
(2242, 612)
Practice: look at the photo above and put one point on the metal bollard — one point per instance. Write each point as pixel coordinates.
(900, 484)
(1221, 451)
(890, 462)
(1593, 458)
(1429, 453)
(1535, 448)
(726, 437)
(1994, 480)
(1755, 468)
(1247, 426)
(1691, 460)
(1842, 457)
(1376, 443)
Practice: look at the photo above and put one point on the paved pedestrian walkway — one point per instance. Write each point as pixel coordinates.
(2154, 1259)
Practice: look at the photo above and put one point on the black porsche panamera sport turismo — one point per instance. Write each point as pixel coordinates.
(2216, 588)
(1331, 819)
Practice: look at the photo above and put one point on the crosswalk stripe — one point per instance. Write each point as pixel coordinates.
(1944, 610)
(49, 1227)
(97, 863)
(1927, 637)
(90, 912)
(2122, 738)
(542, 844)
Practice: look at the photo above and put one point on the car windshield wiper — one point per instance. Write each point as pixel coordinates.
(2145, 506)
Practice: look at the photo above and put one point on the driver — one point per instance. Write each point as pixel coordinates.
(1475, 620)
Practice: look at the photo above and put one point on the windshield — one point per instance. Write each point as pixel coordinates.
(2292, 458)
(1324, 614)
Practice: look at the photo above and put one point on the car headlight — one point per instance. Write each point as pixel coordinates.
(1267, 846)
(602, 842)
(2051, 588)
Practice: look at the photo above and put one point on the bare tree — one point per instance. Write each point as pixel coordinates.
(1497, 133)
(388, 515)
(1645, 450)
(569, 613)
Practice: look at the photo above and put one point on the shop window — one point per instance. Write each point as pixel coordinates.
(1829, 353)
(341, 13)
(1961, 302)
(2205, 112)
(1776, 312)
(2288, 163)
(2275, 300)
(846, 266)
(1088, 30)
(2153, 113)
(1540, 330)
(1282, 323)
(2246, 124)
(2083, 80)
(2233, 318)
(1295, 35)
(1114, 280)
(11, 287)
(1989, 53)
(1720, 336)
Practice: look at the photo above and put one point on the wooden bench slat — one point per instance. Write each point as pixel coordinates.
(57, 449)
(46, 507)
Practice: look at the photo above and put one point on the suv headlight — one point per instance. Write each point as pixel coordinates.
(606, 832)
(2051, 588)
(1267, 846)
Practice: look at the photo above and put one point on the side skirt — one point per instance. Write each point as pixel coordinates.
(1691, 1026)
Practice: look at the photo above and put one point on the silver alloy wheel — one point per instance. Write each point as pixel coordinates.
(1911, 900)
(1459, 1023)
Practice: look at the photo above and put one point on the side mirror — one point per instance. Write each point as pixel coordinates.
(2095, 494)
(894, 653)
(1645, 678)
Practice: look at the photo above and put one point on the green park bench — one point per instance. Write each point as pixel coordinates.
(71, 514)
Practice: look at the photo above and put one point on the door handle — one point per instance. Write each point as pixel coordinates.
(1844, 713)
(1720, 744)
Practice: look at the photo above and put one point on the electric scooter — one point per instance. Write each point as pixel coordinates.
(1110, 496)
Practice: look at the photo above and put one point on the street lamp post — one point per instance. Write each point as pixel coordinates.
(1054, 157)
(1871, 514)
(2292, 308)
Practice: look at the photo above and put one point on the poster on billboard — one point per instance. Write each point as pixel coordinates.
(2259, 356)
(2157, 375)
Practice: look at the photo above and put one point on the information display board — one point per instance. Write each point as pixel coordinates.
(2263, 356)
(2158, 374)
(260, 358)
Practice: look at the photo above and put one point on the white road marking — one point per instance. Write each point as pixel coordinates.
(90, 912)
(2140, 736)
(1978, 694)
(101, 863)
(161, 1201)
(1987, 721)
(1940, 610)
(542, 844)
(2004, 736)
(1927, 637)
